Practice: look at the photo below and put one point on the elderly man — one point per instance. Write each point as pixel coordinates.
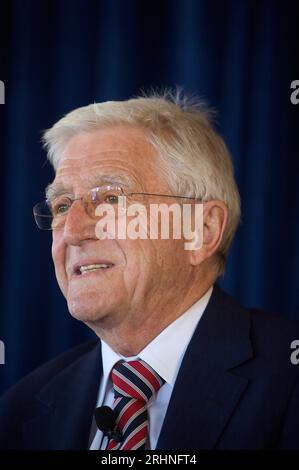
(179, 364)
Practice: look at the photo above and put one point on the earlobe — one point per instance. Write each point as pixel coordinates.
(214, 223)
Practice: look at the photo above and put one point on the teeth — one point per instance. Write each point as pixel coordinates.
(93, 267)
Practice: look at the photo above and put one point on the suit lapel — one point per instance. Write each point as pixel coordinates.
(206, 391)
(62, 412)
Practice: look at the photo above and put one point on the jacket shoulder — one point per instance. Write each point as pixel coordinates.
(271, 337)
(22, 392)
(274, 336)
(40, 376)
(264, 325)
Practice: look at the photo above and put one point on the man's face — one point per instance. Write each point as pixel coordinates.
(142, 271)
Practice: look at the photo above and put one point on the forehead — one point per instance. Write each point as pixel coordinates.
(122, 149)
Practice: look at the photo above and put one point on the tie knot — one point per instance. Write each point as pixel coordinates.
(135, 379)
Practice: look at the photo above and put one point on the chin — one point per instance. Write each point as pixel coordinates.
(83, 311)
(87, 311)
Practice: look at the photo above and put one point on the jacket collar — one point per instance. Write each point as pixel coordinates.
(206, 390)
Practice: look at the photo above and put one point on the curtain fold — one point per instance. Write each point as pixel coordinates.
(239, 56)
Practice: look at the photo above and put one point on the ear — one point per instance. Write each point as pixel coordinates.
(215, 214)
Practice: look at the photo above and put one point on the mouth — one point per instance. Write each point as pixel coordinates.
(85, 269)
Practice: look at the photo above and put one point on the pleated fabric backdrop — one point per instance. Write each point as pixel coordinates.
(240, 56)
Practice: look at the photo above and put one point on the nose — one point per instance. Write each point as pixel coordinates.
(78, 226)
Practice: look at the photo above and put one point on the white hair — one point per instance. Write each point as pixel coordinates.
(194, 159)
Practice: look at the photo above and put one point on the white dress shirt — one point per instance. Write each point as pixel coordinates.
(164, 354)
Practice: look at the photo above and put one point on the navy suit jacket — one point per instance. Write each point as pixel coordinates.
(236, 389)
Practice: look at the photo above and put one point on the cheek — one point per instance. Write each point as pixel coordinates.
(145, 263)
(172, 260)
(136, 262)
(56, 252)
(58, 256)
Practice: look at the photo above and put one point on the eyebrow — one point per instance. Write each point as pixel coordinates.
(56, 189)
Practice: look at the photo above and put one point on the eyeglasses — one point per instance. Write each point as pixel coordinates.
(51, 214)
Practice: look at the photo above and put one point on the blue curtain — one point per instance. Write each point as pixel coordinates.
(240, 56)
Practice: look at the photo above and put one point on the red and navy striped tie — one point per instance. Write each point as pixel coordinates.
(134, 383)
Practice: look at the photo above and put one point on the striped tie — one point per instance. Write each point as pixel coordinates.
(134, 383)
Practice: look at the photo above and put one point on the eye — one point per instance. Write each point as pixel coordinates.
(60, 206)
(111, 198)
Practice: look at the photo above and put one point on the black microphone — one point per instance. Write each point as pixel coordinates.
(106, 422)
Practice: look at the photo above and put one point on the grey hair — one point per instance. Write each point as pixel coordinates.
(194, 158)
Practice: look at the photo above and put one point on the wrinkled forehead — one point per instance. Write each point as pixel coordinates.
(85, 164)
(92, 180)
(112, 157)
(112, 142)
(122, 146)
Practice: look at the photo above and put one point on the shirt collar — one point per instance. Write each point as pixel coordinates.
(165, 352)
